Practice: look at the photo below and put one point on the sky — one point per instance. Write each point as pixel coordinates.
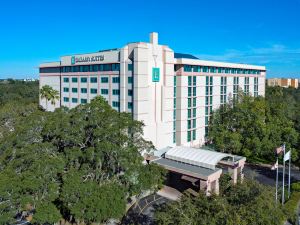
(260, 32)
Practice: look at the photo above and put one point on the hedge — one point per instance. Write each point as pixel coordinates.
(291, 208)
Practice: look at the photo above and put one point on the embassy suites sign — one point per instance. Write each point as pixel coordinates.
(81, 59)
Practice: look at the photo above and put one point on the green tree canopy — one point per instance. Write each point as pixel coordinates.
(79, 164)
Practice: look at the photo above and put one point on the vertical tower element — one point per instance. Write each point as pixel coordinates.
(154, 38)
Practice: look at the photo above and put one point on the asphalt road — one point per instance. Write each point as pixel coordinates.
(265, 175)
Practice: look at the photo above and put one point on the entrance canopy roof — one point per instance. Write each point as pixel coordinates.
(198, 157)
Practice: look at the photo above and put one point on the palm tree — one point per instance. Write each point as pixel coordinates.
(49, 94)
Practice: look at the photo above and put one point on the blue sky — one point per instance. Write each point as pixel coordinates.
(263, 32)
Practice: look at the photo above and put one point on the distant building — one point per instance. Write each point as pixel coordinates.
(283, 82)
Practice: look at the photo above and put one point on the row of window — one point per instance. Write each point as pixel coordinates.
(210, 69)
(84, 101)
(95, 91)
(83, 68)
(95, 80)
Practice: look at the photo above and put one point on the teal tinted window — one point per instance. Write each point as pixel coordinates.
(83, 90)
(66, 79)
(194, 102)
(189, 102)
(129, 105)
(74, 79)
(74, 90)
(83, 101)
(189, 136)
(115, 67)
(189, 124)
(104, 79)
(194, 134)
(189, 80)
(93, 79)
(115, 104)
(93, 91)
(116, 92)
(187, 68)
(130, 79)
(104, 91)
(83, 79)
(189, 91)
(130, 92)
(66, 89)
(130, 67)
(66, 99)
(74, 100)
(205, 69)
(116, 80)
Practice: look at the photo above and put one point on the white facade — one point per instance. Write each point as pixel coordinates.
(154, 84)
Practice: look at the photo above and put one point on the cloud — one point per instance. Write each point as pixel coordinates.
(273, 54)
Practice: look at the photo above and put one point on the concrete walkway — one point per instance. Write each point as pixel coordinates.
(170, 193)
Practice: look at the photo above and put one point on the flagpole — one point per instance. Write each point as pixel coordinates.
(283, 175)
(277, 181)
(289, 190)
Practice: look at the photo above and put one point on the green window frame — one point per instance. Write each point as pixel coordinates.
(194, 102)
(83, 101)
(104, 79)
(189, 102)
(74, 79)
(194, 135)
(83, 80)
(104, 91)
(130, 67)
(130, 92)
(66, 89)
(130, 80)
(116, 80)
(74, 90)
(189, 91)
(66, 79)
(93, 90)
(189, 113)
(130, 105)
(93, 79)
(66, 99)
(83, 90)
(116, 92)
(74, 100)
(189, 136)
(189, 124)
(189, 81)
(116, 104)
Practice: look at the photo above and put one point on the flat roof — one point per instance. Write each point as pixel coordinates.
(187, 169)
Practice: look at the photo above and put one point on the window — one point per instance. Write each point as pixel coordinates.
(130, 67)
(93, 91)
(189, 124)
(104, 91)
(189, 81)
(104, 79)
(83, 79)
(116, 80)
(189, 91)
(83, 90)
(116, 92)
(66, 89)
(189, 113)
(74, 79)
(115, 104)
(194, 102)
(130, 92)
(74, 100)
(129, 105)
(194, 112)
(130, 80)
(66, 79)
(187, 68)
(93, 79)
(194, 123)
(189, 136)
(196, 68)
(83, 101)
(194, 80)
(115, 67)
(212, 70)
(74, 90)
(194, 91)
(194, 134)
(66, 99)
(205, 69)
(189, 102)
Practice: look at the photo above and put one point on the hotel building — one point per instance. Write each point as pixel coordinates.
(172, 93)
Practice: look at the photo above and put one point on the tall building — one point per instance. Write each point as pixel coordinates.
(283, 82)
(172, 93)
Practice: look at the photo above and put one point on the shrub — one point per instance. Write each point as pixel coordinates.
(296, 187)
(291, 207)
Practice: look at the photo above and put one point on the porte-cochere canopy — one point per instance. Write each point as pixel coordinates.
(198, 157)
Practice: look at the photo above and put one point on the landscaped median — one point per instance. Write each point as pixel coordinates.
(291, 206)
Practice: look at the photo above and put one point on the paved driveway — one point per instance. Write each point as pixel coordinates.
(265, 175)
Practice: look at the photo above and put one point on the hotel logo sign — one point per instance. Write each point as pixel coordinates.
(155, 74)
(97, 58)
